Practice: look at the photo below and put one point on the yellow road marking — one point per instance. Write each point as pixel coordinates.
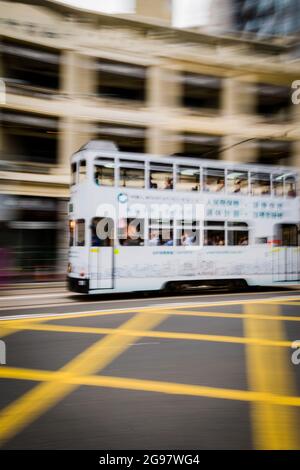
(27, 408)
(289, 303)
(274, 426)
(241, 316)
(7, 328)
(148, 386)
(6, 331)
(153, 334)
(30, 406)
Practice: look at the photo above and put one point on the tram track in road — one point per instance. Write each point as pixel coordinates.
(87, 304)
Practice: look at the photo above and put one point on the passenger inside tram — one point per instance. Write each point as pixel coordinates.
(131, 234)
(214, 237)
(237, 182)
(154, 238)
(160, 237)
(188, 178)
(104, 174)
(161, 176)
(243, 240)
(168, 183)
(214, 180)
(291, 192)
(237, 186)
(278, 186)
(261, 184)
(187, 239)
(284, 186)
(220, 185)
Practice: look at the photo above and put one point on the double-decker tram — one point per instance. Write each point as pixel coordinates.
(142, 222)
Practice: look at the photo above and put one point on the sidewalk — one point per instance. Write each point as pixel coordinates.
(24, 288)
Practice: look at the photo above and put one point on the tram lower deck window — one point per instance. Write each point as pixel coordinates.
(80, 232)
(188, 237)
(160, 232)
(238, 237)
(159, 236)
(214, 237)
(102, 231)
(131, 232)
(288, 234)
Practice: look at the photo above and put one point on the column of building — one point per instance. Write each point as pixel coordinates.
(163, 96)
(77, 74)
(238, 104)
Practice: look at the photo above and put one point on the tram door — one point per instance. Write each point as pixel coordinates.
(101, 255)
(286, 258)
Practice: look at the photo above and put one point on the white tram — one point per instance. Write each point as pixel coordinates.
(143, 222)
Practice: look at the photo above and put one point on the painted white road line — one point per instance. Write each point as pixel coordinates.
(164, 306)
(36, 296)
(102, 302)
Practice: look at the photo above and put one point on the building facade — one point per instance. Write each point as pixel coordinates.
(267, 17)
(71, 76)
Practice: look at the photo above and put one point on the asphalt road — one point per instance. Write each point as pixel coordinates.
(210, 371)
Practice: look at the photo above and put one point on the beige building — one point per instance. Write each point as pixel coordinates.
(156, 10)
(71, 76)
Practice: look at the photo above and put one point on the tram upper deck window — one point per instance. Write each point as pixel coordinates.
(132, 174)
(131, 232)
(188, 178)
(290, 186)
(72, 224)
(260, 184)
(214, 180)
(102, 231)
(284, 185)
(73, 173)
(80, 232)
(82, 171)
(237, 182)
(278, 185)
(161, 176)
(104, 172)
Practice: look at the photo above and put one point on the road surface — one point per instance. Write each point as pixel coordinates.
(210, 371)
